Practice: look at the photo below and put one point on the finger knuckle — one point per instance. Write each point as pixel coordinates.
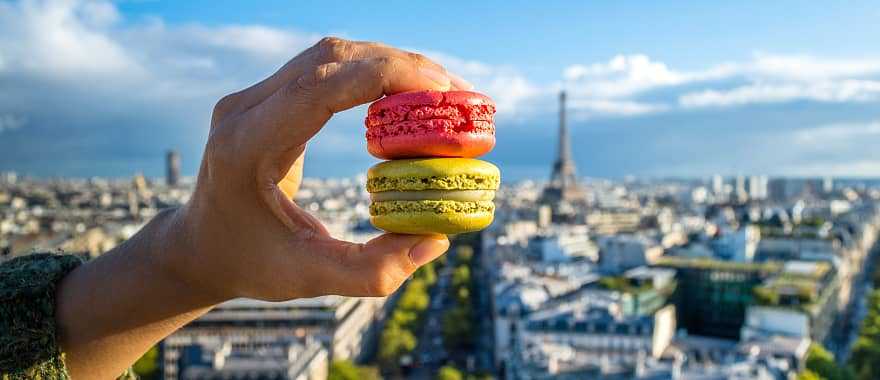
(334, 49)
(387, 67)
(418, 58)
(386, 64)
(325, 71)
(225, 105)
(372, 45)
(305, 86)
(386, 60)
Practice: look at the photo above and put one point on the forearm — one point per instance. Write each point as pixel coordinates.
(114, 308)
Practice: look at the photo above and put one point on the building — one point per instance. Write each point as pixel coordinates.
(544, 331)
(712, 296)
(740, 189)
(172, 168)
(799, 302)
(619, 253)
(613, 221)
(562, 245)
(572, 343)
(340, 324)
(738, 245)
(718, 185)
(778, 246)
(211, 357)
(564, 193)
(788, 189)
(757, 187)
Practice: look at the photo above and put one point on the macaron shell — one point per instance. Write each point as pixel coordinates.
(431, 123)
(433, 173)
(430, 222)
(425, 98)
(433, 167)
(433, 144)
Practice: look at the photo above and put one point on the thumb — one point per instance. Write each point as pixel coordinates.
(378, 267)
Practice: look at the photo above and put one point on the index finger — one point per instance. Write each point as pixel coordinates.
(327, 50)
(297, 111)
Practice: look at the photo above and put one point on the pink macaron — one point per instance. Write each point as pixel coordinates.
(431, 124)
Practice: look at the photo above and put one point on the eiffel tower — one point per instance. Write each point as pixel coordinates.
(563, 186)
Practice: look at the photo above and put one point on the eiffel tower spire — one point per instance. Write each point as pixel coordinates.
(564, 172)
(563, 185)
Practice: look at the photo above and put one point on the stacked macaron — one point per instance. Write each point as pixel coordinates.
(432, 183)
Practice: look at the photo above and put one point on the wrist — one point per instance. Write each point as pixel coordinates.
(178, 257)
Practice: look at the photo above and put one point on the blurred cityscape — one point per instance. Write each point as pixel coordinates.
(744, 277)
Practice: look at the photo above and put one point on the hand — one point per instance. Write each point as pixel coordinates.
(244, 237)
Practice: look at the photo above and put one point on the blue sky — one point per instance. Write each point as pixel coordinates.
(657, 89)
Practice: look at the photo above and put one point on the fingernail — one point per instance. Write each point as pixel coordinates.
(428, 249)
(459, 82)
(436, 76)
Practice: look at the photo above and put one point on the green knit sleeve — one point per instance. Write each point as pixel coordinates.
(28, 348)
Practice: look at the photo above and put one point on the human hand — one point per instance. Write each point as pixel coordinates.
(243, 236)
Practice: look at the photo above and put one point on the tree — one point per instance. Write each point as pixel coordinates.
(415, 297)
(461, 277)
(427, 273)
(464, 254)
(808, 375)
(346, 370)
(343, 370)
(404, 319)
(147, 367)
(821, 362)
(448, 372)
(394, 343)
(457, 326)
(463, 296)
(866, 350)
(865, 358)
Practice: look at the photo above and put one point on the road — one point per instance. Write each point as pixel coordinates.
(858, 308)
(485, 341)
(430, 353)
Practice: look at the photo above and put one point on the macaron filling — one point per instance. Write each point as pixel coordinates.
(437, 207)
(452, 182)
(440, 195)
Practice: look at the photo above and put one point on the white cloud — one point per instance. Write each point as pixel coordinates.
(779, 78)
(767, 79)
(608, 88)
(809, 68)
(71, 62)
(509, 88)
(87, 46)
(621, 76)
(851, 168)
(11, 122)
(61, 40)
(850, 90)
(848, 132)
(626, 75)
(82, 63)
(587, 108)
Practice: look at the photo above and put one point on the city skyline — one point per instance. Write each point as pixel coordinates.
(690, 191)
(763, 89)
